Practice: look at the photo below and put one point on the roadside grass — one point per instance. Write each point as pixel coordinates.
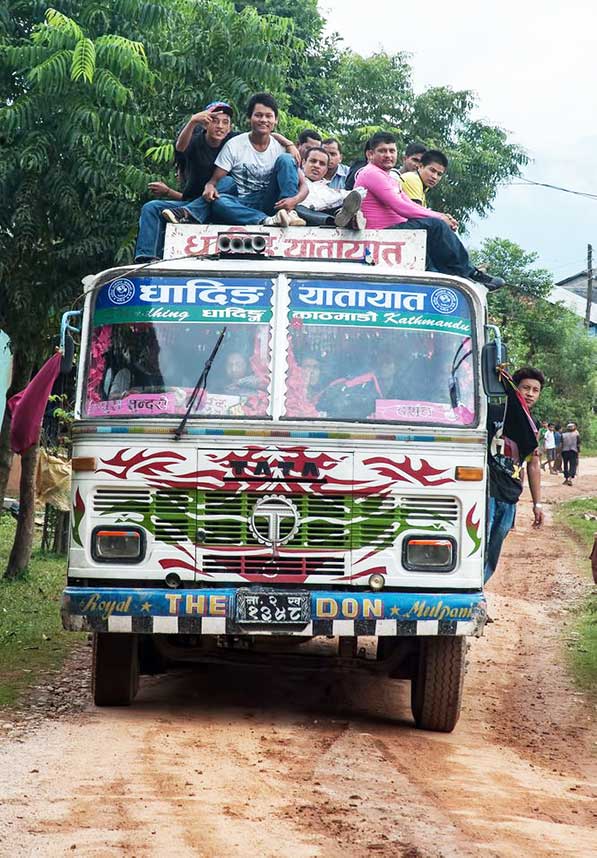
(32, 641)
(582, 650)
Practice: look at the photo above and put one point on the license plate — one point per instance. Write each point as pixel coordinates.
(268, 608)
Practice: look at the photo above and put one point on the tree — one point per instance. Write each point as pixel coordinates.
(375, 93)
(542, 334)
(69, 121)
(311, 79)
(480, 156)
(91, 103)
(372, 91)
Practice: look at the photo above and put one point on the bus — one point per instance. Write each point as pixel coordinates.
(279, 454)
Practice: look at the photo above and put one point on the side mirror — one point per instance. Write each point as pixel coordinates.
(493, 354)
(68, 355)
(67, 344)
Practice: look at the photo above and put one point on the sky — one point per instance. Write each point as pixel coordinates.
(533, 68)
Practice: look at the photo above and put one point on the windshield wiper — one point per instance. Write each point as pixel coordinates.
(453, 385)
(199, 388)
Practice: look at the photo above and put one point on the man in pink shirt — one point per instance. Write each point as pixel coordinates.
(387, 207)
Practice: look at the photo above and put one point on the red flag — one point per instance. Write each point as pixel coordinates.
(27, 407)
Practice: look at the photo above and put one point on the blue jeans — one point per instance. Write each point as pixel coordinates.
(152, 226)
(445, 252)
(255, 207)
(501, 517)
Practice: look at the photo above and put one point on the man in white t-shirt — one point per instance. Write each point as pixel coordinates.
(549, 441)
(257, 180)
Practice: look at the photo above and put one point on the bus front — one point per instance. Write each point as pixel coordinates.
(267, 453)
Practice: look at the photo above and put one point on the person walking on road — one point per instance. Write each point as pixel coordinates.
(558, 439)
(549, 441)
(570, 452)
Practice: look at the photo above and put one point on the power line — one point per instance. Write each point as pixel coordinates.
(523, 181)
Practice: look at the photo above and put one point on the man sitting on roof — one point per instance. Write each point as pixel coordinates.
(386, 206)
(416, 183)
(307, 139)
(337, 171)
(262, 179)
(324, 205)
(200, 140)
(412, 158)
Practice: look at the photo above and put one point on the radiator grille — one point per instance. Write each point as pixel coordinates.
(172, 520)
(168, 514)
(125, 500)
(217, 564)
(420, 507)
(338, 522)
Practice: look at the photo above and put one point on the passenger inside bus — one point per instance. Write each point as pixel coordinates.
(141, 360)
(360, 374)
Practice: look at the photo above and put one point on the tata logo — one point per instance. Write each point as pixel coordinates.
(284, 471)
(274, 520)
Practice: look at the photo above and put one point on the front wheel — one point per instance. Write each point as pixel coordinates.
(115, 669)
(436, 688)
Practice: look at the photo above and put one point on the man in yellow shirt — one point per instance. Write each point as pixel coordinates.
(415, 184)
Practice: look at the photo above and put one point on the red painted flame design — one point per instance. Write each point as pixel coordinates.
(425, 474)
(159, 470)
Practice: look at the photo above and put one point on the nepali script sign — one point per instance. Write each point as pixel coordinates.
(400, 249)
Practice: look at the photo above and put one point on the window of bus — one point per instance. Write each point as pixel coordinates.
(379, 352)
(151, 339)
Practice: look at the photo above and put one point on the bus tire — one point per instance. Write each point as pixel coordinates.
(436, 687)
(115, 669)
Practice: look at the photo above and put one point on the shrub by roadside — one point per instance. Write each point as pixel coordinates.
(575, 515)
(32, 642)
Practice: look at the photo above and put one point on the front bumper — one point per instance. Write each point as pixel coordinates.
(213, 612)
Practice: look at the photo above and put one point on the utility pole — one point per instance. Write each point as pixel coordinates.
(589, 285)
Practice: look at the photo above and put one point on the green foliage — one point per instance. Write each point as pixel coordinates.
(71, 129)
(542, 334)
(32, 641)
(374, 91)
(582, 643)
(95, 92)
(479, 155)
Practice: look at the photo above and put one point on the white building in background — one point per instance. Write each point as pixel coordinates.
(572, 293)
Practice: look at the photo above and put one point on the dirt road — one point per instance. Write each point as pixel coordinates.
(242, 764)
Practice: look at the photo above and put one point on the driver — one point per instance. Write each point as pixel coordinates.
(239, 378)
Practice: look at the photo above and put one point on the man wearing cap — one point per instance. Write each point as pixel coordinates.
(199, 142)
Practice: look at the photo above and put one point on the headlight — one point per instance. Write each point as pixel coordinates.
(116, 545)
(422, 554)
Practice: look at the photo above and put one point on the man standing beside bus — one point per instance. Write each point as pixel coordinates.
(505, 468)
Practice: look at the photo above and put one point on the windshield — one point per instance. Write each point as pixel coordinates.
(151, 337)
(379, 352)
